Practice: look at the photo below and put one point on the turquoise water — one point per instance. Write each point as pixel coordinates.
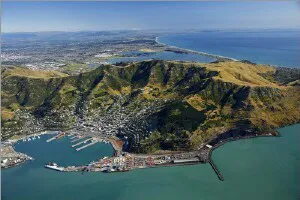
(279, 48)
(259, 168)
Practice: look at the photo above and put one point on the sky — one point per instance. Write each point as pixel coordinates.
(96, 16)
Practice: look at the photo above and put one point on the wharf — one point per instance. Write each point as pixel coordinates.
(53, 138)
(87, 145)
(212, 164)
(73, 137)
(79, 143)
(77, 139)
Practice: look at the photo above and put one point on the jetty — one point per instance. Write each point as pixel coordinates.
(212, 164)
(79, 143)
(73, 137)
(87, 145)
(49, 140)
(71, 134)
(80, 138)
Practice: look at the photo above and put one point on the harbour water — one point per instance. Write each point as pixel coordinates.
(274, 47)
(259, 168)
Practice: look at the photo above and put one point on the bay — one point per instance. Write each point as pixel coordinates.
(274, 47)
(258, 168)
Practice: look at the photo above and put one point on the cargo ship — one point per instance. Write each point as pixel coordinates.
(54, 166)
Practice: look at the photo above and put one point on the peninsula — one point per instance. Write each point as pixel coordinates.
(162, 112)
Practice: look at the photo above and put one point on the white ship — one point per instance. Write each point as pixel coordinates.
(54, 166)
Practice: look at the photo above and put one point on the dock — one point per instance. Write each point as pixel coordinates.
(87, 145)
(49, 140)
(212, 164)
(73, 137)
(77, 139)
(79, 143)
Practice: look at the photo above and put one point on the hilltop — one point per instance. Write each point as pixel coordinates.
(158, 105)
(30, 73)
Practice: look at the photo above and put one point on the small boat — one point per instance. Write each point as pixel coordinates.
(38, 137)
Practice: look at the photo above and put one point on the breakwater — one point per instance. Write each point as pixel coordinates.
(213, 165)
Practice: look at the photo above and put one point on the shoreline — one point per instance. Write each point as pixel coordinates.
(184, 50)
(13, 141)
(22, 157)
(203, 154)
(219, 144)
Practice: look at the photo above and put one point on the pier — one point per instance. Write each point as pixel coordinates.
(77, 139)
(87, 145)
(212, 164)
(79, 143)
(73, 137)
(53, 138)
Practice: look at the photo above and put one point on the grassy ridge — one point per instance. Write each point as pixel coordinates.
(205, 99)
(30, 73)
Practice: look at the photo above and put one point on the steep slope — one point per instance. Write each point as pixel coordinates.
(169, 105)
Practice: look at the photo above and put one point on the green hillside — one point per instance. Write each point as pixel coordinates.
(187, 103)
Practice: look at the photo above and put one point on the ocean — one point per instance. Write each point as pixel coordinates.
(265, 168)
(273, 47)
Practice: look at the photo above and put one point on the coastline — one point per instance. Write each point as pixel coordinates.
(13, 141)
(19, 157)
(185, 50)
(194, 52)
(221, 143)
(196, 172)
(202, 155)
(204, 150)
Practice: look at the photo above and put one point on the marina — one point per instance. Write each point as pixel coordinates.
(241, 175)
(79, 143)
(51, 139)
(87, 145)
(59, 135)
(123, 161)
(77, 139)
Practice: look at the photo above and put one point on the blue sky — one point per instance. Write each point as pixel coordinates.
(78, 16)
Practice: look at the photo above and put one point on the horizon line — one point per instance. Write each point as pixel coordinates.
(165, 30)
